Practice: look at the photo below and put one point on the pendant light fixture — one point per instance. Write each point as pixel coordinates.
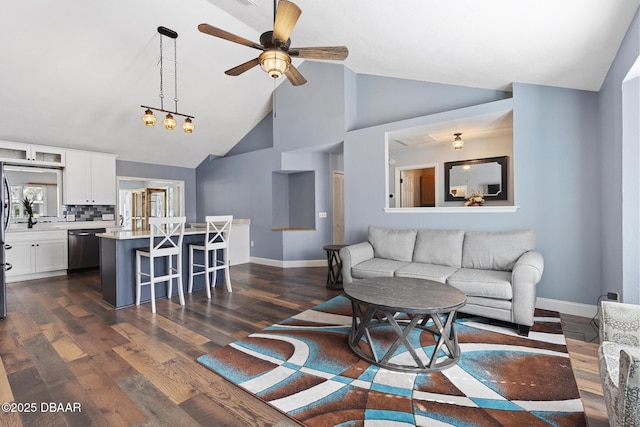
(458, 143)
(169, 122)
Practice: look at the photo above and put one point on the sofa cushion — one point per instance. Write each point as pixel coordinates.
(482, 283)
(392, 244)
(496, 250)
(437, 273)
(376, 267)
(442, 247)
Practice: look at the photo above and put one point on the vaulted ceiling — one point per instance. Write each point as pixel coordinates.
(74, 73)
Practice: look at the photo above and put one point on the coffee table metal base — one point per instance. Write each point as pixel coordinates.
(446, 351)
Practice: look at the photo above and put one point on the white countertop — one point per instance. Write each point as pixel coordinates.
(195, 228)
(61, 225)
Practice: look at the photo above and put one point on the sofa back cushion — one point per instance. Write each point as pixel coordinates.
(441, 247)
(496, 250)
(392, 244)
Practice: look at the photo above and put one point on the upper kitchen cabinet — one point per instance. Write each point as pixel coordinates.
(89, 178)
(29, 154)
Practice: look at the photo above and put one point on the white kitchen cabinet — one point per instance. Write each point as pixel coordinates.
(30, 154)
(35, 254)
(89, 178)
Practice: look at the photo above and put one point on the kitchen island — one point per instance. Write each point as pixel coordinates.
(118, 262)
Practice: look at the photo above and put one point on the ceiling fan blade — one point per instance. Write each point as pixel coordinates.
(287, 15)
(334, 53)
(294, 76)
(217, 32)
(236, 71)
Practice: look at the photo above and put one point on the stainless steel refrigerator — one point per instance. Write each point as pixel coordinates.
(5, 217)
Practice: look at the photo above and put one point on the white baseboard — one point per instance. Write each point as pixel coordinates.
(289, 264)
(567, 307)
(32, 276)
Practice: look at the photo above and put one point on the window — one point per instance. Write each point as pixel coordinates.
(36, 193)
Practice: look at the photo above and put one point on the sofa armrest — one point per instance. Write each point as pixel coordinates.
(620, 323)
(526, 273)
(354, 255)
(628, 410)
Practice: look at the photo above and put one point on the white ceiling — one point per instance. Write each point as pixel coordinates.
(74, 73)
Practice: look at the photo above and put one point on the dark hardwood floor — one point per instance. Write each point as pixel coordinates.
(63, 349)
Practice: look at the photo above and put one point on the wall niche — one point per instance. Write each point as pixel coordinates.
(294, 200)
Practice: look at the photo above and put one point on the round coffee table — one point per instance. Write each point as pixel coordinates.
(427, 305)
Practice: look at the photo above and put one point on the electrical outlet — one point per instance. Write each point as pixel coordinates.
(613, 296)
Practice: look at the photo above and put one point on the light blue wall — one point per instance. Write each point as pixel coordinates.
(255, 139)
(242, 186)
(309, 123)
(308, 119)
(556, 162)
(152, 171)
(616, 241)
(384, 100)
(556, 165)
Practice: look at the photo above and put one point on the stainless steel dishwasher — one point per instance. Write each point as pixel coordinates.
(84, 248)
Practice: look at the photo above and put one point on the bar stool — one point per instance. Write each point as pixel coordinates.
(165, 240)
(217, 237)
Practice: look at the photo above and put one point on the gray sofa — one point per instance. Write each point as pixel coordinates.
(498, 271)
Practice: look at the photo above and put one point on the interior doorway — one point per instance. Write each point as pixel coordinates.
(416, 186)
(162, 197)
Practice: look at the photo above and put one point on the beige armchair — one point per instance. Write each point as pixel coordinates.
(619, 362)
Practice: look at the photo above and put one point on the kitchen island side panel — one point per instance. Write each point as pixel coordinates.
(118, 271)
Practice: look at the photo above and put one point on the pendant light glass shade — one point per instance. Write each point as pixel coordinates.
(188, 125)
(458, 143)
(149, 118)
(169, 122)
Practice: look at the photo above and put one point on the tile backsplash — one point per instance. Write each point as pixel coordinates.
(88, 212)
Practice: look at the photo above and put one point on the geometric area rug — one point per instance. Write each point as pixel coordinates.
(303, 366)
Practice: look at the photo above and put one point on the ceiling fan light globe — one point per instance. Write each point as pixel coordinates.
(274, 62)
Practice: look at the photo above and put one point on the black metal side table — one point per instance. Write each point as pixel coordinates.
(334, 265)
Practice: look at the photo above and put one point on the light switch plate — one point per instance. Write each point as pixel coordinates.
(107, 217)
(71, 217)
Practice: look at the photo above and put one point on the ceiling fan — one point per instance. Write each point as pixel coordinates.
(276, 54)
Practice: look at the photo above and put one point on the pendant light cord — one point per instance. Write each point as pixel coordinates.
(175, 73)
(161, 76)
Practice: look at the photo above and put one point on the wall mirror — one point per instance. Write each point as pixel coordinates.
(486, 176)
